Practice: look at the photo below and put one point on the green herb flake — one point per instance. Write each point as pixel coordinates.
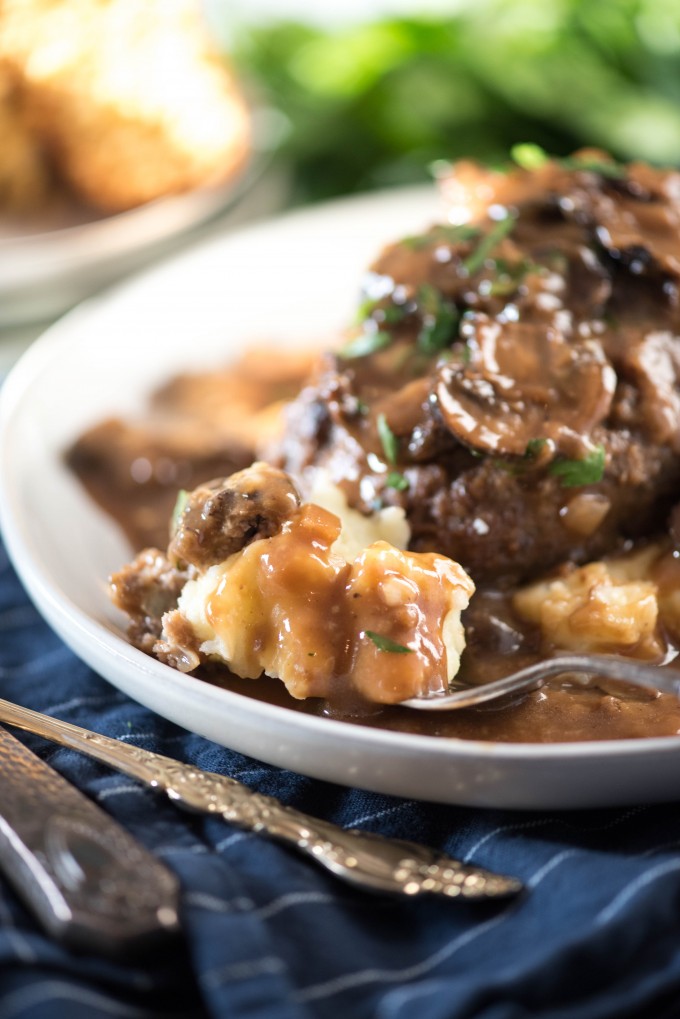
(390, 313)
(395, 479)
(180, 506)
(574, 473)
(365, 310)
(386, 644)
(529, 156)
(388, 439)
(442, 233)
(534, 447)
(606, 169)
(509, 276)
(533, 157)
(520, 465)
(437, 335)
(366, 343)
(498, 231)
(440, 320)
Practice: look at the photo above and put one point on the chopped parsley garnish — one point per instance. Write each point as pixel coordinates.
(442, 233)
(390, 313)
(180, 506)
(498, 231)
(389, 441)
(509, 276)
(440, 320)
(533, 157)
(605, 169)
(534, 447)
(393, 313)
(366, 343)
(523, 463)
(386, 644)
(365, 309)
(529, 156)
(573, 473)
(396, 480)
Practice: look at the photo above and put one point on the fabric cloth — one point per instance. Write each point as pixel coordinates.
(268, 934)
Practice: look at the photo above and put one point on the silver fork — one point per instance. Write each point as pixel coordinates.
(361, 858)
(612, 667)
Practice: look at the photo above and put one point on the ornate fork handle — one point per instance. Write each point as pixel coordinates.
(371, 861)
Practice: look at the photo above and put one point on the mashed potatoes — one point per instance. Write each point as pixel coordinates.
(326, 602)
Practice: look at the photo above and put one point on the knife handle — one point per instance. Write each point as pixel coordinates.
(89, 882)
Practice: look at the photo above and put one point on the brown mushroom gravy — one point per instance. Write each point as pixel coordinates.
(512, 384)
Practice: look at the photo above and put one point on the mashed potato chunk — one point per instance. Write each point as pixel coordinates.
(595, 608)
(298, 606)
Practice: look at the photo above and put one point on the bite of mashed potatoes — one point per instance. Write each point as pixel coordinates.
(312, 596)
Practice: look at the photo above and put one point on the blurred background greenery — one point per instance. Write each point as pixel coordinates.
(373, 103)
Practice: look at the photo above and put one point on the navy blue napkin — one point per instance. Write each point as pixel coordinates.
(267, 934)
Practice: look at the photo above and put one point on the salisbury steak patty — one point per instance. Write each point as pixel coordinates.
(513, 382)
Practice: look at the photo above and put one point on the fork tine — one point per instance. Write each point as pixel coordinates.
(614, 667)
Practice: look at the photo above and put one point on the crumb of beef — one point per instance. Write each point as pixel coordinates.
(145, 590)
(178, 646)
(224, 515)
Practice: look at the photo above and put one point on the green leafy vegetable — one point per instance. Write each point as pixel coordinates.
(388, 439)
(498, 231)
(573, 473)
(373, 103)
(386, 644)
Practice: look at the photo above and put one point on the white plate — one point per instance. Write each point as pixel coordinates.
(290, 281)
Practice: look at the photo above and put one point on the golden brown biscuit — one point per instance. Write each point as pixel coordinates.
(24, 178)
(129, 96)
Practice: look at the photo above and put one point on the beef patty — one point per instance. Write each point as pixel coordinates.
(513, 379)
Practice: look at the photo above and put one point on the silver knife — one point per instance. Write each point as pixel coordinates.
(361, 858)
(89, 882)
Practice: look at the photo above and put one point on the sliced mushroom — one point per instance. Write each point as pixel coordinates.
(653, 359)
(524, 382)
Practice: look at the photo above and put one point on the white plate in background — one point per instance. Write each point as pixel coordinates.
(291, 281)
(72, 253)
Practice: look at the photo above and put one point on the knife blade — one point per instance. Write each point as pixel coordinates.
(87, 880)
